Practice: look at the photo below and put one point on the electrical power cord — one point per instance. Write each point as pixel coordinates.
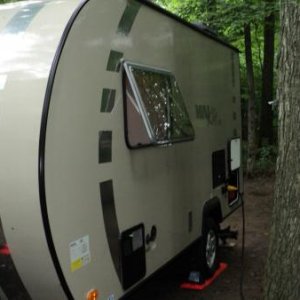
(243, 249)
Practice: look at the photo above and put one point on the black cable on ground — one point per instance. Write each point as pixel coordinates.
(243, 250)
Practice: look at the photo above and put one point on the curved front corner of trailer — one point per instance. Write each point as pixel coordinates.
(29, 39)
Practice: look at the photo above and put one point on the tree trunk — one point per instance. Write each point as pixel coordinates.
(211, 14)
(266, 116)
(252, 145)
(283, 264)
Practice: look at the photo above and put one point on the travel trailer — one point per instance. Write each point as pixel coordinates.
(120, 145)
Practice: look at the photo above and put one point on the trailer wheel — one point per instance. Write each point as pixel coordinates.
(209, 245)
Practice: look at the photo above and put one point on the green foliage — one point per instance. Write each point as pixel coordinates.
(266, 160)
(227, 18)
(7, 1)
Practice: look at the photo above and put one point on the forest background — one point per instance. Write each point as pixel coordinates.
(253, 27)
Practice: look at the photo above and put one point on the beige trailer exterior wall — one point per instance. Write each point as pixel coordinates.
(29, 37)
(155, 186)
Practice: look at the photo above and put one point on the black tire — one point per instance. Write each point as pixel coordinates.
(209, 248)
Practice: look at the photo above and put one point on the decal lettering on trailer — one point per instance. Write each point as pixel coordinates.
(209, 114)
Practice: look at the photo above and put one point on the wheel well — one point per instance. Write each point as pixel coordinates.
(212, 209)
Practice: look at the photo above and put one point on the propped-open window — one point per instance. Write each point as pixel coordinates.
(155, 109)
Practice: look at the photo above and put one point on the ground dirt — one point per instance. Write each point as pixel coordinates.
(258, 204)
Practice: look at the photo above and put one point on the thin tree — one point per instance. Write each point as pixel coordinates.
(283, 264)
(266, 116)
(211, 13)
(252, 141)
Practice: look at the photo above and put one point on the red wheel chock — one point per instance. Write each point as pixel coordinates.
(4, 250)
(208, 282)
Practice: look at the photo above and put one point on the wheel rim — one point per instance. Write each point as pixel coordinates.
(211, 248)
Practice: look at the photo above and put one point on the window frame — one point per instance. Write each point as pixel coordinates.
(129, 77)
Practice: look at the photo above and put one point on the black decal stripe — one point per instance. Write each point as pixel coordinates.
(114, 61)
(42, 143)
(22, 19)
(108, 100)
(111, 223)
(128, 17)
(105, 146)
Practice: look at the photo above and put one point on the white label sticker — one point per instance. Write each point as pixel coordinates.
(3, 79)
(80, 253)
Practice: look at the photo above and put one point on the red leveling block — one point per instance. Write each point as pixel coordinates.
(208, 282)
(4, 250)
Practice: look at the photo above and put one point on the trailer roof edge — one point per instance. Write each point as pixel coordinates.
(186, 23)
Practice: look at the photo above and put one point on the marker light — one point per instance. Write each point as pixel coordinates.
(92, 295)
(231, 188)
